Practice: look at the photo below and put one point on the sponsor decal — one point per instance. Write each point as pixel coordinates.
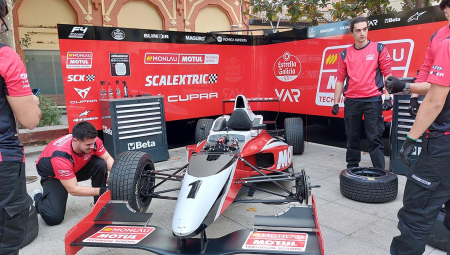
(278, 241)
(191, 97)
(61, 141)
(82, 92)
(107, 130)
(219, 38)
(346, 27)
(400, 51)
(79, 60)
(141, 145)
(416, 16)
(231, 39)
(233, 70)
(78, 32)
(370, 57)
(331, 59)
(284, 158)
(175, 80)
(287, 67)
(23, 76)
(118, 34)
(120, 235)
(391, 20)
(195, 38)
(119, 64)
(439, 68)
(311, 32)
(327, 30)
(421, 180)
(65, 173)
(291, 94)
(373, 22)
(84, 116)
(81, 77)
(156, 36)
(178, 58)
(437, 73)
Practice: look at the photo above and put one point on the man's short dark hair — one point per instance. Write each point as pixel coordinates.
(84, 130)
(356, 21)
(443, 4)
(3, 8)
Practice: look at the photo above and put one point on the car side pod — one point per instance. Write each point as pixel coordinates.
(98, 230)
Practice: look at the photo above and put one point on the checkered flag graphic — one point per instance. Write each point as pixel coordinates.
(213, 78)
(90, 77)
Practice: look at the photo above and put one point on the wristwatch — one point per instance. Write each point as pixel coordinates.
(406, 90)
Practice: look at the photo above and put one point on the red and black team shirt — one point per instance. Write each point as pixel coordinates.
(58, 160)
(364, 70)
(14, 83)
(436, 70)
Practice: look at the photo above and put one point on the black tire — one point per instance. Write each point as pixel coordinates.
(131, 178)
(439, 234)
(293, 134)
(202, 129)
(370, 185)
(32, 227)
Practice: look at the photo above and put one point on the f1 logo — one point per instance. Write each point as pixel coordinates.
(82, 92)
(81, 29)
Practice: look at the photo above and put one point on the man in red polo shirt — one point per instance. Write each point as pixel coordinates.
(428, 184)
(363, 67)
(66, 161)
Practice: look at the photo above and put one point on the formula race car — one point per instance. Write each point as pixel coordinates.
(238, 152)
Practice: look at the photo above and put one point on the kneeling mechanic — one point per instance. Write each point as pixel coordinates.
(66, 161)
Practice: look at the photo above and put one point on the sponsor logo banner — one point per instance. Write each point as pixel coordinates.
(119, 64)
(156, 36)
(174, 80)
(287, 67)
(78, 32)
(278, 241)
(178, 58)
(120, 235)
(79, 60)
(84, 116)
(141, 145)
(118, 34)
(400, 51)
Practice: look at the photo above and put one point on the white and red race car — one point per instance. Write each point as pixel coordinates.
(238, 151)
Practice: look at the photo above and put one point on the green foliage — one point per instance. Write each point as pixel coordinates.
(51, 115)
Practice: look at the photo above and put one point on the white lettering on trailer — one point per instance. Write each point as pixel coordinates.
(175, 80)
(332, 82)
(402, 55)
(190, 97)
(287, 94)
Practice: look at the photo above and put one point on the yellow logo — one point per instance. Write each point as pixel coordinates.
(149, 58)
(331, 59)
(256, 234)
(107, 229)
(70, 55)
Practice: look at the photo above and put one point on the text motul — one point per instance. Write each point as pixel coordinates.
(174, 80)
(117, 236)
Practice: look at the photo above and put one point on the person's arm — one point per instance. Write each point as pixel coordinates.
(420, 88)
(338, 92)
(72, 187)
(108, 159)
(429, 110)
(24, 104)
(341, 75)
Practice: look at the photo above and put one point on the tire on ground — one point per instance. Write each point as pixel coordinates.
(293, 134)
(202, 129)
(439, 234)
(371, 185)
(32, 227)
(132, 177)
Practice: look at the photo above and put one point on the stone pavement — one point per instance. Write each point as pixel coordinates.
(348, 227)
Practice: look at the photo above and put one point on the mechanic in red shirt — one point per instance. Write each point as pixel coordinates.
(428, 184)
(17, 103)
(66, 161)
(363, 67)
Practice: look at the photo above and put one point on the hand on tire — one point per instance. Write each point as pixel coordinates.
(335, 110)
(394, 85)
(406, 150)
(413, 106)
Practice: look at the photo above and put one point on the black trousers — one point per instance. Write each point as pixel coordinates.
(374, 125)
(426, 190)
(14, 206)
(51, 205)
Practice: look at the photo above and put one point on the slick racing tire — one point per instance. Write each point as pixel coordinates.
(293, 134)
(131, 178)
(370, 185)
(32, 227)
(202, 129)
(439, 234)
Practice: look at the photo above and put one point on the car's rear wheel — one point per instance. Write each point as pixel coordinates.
(132, 179)
(293, 134)
(202, 129)
(368, 184)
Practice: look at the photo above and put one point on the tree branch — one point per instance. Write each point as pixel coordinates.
(409, 3)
